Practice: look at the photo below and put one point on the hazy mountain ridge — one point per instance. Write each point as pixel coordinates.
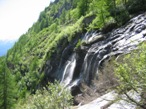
(5, 46)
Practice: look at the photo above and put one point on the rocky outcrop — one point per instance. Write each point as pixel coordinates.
(82, 66)
(112, 100)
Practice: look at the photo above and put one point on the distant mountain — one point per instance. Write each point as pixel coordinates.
(5, 46)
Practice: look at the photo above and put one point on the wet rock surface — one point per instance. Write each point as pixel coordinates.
(83, 66)
(77, 67)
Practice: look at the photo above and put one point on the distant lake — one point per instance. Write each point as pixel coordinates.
(5, 46)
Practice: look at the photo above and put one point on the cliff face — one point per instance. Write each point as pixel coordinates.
(70, 42)
(82, 64)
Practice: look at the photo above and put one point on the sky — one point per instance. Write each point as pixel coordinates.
(17, 16)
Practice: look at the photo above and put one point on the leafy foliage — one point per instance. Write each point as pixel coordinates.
(55, 96)
(57, 27)
(8, 87)
(132, 74)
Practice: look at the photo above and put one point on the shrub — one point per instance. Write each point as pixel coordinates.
(132, 75)
(78, 45)
(55, 96)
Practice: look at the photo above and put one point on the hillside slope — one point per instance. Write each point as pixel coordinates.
(71, 40)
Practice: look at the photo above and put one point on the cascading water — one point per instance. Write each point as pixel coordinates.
(69, 70)
(119, 41)
(100, 46)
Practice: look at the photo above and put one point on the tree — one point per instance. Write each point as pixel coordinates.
(83, 7)
(7, 87)
(132, 75)
(63, 16)
(134, 6)
(101, 9)
(117, 9)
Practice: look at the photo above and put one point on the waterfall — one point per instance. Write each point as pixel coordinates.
(99, 47)
(119, 41)
(69, 70)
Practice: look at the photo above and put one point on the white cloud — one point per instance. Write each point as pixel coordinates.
(16, 16)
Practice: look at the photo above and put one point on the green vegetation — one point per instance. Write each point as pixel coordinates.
(57, 27)
(54, 96)
(8, 88)
(132, 75)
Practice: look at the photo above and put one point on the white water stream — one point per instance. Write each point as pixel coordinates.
(69, 70)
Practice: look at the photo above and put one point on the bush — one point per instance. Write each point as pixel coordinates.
(78, 45)
(132, 75)
(54, 96)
